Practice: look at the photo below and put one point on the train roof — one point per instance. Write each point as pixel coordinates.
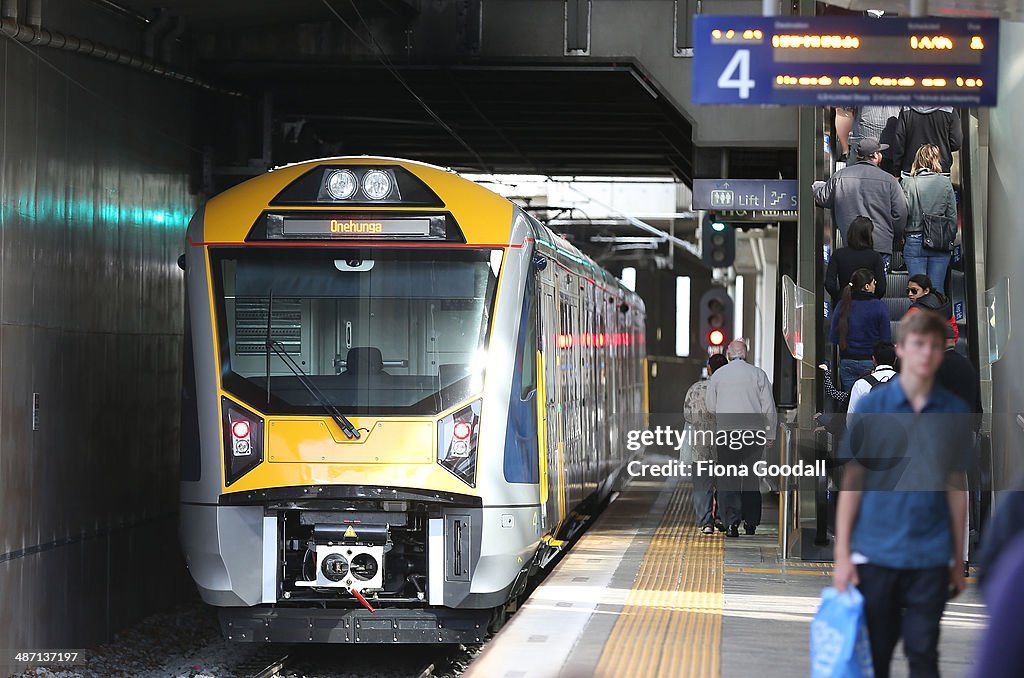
(484, 216)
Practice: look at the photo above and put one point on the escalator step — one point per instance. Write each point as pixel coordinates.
(897, 306)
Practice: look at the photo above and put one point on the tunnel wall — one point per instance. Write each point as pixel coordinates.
(94, 199)
(1005, 243)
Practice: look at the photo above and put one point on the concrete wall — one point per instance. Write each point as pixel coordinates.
(1005, 243)
(93, 204)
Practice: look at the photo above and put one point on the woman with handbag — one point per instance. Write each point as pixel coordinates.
(931, 221)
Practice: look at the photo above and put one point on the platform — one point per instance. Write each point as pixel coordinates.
(643, 593)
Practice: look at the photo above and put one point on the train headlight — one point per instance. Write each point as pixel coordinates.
(342, 184)
(457, 442)
(243, 441)
(377, 184)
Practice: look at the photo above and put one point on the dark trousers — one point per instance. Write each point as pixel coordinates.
(740, 496)
(907, 603)
(704, 499)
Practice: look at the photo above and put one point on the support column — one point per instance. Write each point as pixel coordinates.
(810, 167)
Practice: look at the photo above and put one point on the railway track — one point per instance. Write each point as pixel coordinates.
(318, 661)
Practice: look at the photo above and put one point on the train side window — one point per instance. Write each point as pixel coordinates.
(529, 347)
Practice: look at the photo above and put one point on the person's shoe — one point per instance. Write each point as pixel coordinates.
(720, 526)
(749, 529)
(708, 529)
(733, 531)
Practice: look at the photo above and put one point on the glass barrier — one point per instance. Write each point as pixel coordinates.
(798, 309)
(997, 312)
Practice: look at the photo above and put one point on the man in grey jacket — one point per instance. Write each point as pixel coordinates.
(865, 189)
(740, 395)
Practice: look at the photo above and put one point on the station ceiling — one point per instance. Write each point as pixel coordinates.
(522, 116)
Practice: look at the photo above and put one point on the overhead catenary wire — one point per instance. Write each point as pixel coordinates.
(378, 52)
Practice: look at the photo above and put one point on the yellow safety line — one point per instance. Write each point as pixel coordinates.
(671, 623)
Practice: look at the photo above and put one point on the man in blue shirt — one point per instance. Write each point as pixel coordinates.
(901, 511)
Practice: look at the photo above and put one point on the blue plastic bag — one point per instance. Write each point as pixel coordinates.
(839, 636)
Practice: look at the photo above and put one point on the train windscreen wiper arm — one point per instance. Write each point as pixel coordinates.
(340, 419)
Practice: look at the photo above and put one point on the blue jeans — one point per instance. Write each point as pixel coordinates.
(920, 260)
(852, 370)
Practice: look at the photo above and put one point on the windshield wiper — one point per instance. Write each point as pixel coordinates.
(340, 419)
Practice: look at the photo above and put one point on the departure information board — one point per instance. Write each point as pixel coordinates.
(845, 61)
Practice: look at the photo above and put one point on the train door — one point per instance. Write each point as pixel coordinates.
(552, 507)
(569, 376)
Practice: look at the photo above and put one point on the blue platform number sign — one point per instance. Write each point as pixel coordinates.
(849, 61)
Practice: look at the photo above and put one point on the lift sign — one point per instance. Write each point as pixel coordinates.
(845, 61)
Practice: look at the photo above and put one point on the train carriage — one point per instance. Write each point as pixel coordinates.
(400, 393)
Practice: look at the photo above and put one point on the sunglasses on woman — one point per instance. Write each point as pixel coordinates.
(914, 290)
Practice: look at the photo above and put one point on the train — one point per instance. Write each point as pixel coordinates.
(402, 394)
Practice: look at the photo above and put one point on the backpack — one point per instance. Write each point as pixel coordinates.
(875, 381)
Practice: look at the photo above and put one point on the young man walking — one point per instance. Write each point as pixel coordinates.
(900, 518)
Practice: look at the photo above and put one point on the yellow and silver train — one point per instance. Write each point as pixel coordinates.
(400, 389)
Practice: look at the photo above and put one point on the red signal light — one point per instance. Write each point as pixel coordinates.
(716, 337)
(462, 430)
(240, 429)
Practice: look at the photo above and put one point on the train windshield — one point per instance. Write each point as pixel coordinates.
(374, 331)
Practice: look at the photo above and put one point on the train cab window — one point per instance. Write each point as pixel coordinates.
(419, 318)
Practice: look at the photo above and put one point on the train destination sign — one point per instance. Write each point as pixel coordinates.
(845, 61)
(341, 226)
(744, 194)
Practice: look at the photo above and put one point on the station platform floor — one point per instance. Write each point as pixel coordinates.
(643, 593)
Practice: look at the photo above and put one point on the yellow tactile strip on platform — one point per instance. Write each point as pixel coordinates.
(671, 624)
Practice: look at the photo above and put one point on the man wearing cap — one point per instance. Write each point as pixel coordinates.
(865, 189)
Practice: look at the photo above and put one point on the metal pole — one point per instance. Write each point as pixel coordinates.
(769, 7)
(808, 262)
(917, 7)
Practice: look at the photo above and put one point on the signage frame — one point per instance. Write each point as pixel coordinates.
(845, 61)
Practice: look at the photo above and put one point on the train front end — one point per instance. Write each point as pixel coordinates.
(347, 383)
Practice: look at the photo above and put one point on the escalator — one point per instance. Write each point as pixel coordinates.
(809, 508)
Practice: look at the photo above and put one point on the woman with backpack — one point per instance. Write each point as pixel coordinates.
(931, 206)
(861, 321)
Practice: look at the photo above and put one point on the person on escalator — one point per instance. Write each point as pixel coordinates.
(858, 253)
(861, 322)
(920, 125)
(929, 192)
(863, 188)
(923, 297)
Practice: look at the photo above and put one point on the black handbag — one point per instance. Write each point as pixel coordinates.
(938, 231)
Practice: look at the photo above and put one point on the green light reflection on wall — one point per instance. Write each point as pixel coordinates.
(47, 208)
